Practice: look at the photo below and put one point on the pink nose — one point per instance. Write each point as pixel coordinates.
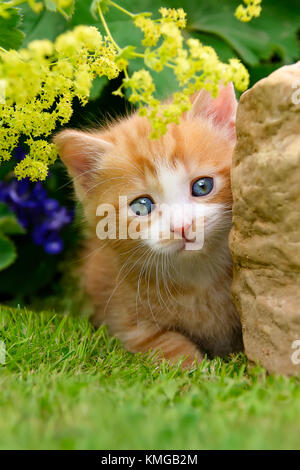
(182, 229)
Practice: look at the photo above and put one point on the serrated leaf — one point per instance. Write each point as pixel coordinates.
(11, 36)
(7, 252)
(275, 31)
(45, 25)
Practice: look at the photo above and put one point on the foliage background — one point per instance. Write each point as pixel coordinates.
(264, 44)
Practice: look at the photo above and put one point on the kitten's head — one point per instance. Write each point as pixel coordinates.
(166, 186)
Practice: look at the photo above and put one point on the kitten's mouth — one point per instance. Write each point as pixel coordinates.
(179, 246)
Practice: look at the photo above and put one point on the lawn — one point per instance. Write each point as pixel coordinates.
(66, 386)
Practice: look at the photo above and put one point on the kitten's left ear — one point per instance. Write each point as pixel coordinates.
(221, 110)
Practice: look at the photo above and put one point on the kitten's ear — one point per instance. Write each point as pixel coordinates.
(221, 110)
(80, 151)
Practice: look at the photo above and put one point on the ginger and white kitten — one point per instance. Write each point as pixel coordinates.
(152, 293)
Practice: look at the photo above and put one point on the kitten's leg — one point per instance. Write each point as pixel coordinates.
(171, 345)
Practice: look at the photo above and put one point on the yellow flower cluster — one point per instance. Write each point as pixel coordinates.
(40, 84)
(33, 167)
(251, 10)
(195, 66)
(150, 29)
(171, 14)
(41, 81)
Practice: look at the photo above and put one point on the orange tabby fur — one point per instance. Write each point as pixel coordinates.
(174, 302)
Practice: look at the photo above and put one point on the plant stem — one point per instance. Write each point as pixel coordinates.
(107, 28)
(123, 10)
(63, 13)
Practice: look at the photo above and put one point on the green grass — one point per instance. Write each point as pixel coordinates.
(65, 386)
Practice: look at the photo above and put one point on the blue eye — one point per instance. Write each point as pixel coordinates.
(142, 205)
(203, 186)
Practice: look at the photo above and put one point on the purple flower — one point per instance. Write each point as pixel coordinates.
(41, 215)
(53, 244)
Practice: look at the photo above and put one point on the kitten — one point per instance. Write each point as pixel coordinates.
(155, 293)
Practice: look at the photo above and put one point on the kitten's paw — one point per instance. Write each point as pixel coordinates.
(182, 350)
(191, 361)
(169, 345)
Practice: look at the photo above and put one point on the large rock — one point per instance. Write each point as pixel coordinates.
(265, 239)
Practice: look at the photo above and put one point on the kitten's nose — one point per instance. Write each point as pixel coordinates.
(182, 229)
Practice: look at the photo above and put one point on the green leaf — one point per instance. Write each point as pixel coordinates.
(219, 20)
(275, 31)
(10, 35)
(7, 252)
(50, 5)
(20, 279)
(8, 222)
(67, 12)
(261, 71)
(45, 25)
(98, 84)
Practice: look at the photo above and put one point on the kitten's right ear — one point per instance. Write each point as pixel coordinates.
(80, 151)
(221, 110)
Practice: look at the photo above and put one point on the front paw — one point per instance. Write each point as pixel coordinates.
(192, 361)
(176, 348)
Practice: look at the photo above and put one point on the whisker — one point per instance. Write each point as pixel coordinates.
(124, 278)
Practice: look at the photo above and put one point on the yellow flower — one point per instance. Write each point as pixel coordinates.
(41, 82)
(83, 83)
(41, 48)
(150, 29)
(173, 15)
(195, 68)
(251, 10)
(87, 36)
(33, 169)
